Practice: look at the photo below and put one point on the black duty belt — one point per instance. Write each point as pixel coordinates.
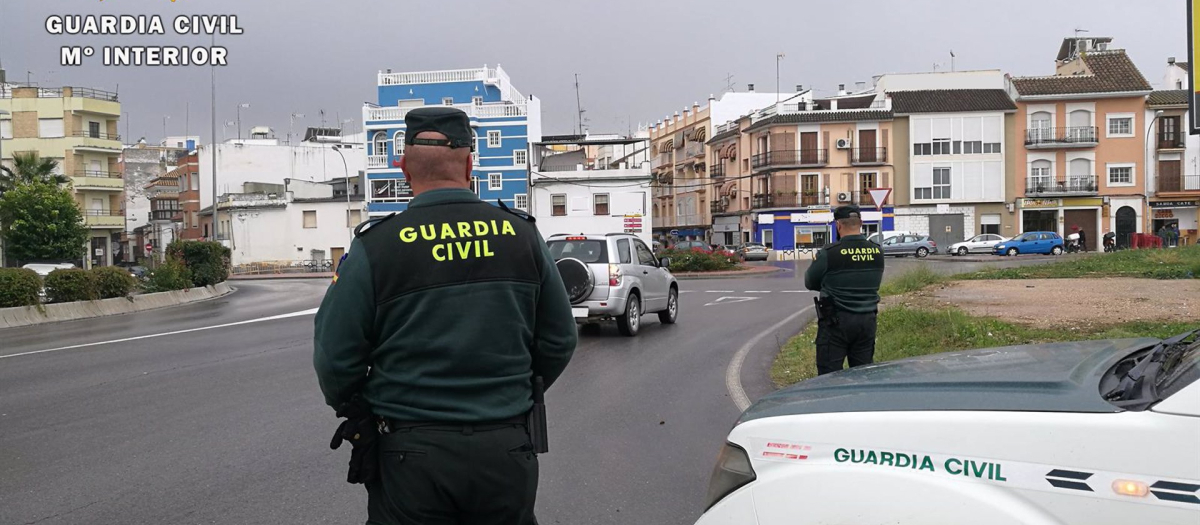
(392, 425)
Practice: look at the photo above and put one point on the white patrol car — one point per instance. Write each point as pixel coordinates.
(1090, 432)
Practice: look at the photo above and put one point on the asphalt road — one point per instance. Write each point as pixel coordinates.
(227, 425)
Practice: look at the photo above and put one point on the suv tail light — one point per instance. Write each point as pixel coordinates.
(614, 275)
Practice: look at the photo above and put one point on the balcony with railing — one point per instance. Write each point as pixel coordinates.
(377, 162)
(1072, 185)
(660, 160)
(778, 199)
(83, 133)
(97, 180)
(717, 170)
(1178, 183)
(1171, 140)
(790, 159)
(691, 151)
(497, 110)
(868, 156)
(718, 206)
(104, 219)
(1072, 137)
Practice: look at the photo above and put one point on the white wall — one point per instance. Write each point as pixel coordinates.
(623, 199)
(263, 235)
(734, 105)
(1174, 76)
(238, 164)
(975, 177)
(982, 79)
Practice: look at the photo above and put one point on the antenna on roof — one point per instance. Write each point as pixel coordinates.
(728, 83)
(1080, 30)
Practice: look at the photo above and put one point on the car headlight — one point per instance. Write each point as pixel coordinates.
(733, 471)
(999, 246)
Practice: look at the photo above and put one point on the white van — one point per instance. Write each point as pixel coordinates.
(880, 237)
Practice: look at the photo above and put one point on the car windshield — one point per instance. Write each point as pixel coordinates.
(587, 251)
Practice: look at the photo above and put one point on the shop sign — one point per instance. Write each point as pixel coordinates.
(766, 218)
(633, 223)
(1164, 214)
(1174, 204)
(1086, 201)
(1039, 203)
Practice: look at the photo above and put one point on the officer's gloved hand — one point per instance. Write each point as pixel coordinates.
(363, 435)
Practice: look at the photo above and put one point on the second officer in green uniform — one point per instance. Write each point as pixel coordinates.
(439, 320)
(848, 274)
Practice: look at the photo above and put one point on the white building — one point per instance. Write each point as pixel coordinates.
(955, 126)
(289, 225)
(1173, 157)
(592, 184)
(262, 159)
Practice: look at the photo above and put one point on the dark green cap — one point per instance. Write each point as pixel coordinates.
(451, 122)
(846, 212)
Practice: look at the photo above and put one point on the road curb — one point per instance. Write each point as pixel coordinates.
(54, 313)
(757, 272)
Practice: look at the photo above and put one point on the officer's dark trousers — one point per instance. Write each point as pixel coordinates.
(851, 337)
(448, 475)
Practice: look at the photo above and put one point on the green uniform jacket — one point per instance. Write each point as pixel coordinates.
(443, 313)
(848, 271)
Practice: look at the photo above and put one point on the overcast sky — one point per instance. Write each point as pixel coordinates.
(637, 60)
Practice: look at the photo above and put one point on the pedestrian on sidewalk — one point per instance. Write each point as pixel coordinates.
(434, 338)
(848, 274)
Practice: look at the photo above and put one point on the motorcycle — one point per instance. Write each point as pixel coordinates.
(1073, 244)
(1110, 242)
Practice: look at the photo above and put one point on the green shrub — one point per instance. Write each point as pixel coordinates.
(171, 275)
(70, 285)
(697, 260)
(208, 262)
(19, 287)
(113, 282)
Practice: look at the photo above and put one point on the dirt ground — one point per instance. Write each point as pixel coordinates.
(1056, 303)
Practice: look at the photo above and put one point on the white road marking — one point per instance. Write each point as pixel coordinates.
(686, 291)
(177, 332)
(718, 291)
(733, 374)
(731, 300)
(758, 291)
(795, 291)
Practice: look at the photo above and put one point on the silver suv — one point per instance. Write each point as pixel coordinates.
(615, 276)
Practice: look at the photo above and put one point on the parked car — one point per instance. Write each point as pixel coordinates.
(615, 277)
(978, 244)
(693, 245)
(44, 269)
(1032, 242)
(880, 237)
(752, 251)
(908, 244)
(139, 272)
(1022, 434)
(728, 251)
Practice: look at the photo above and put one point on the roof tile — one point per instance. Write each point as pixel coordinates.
(1110, 72)
(951, 100)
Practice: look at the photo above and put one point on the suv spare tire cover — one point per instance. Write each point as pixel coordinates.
(577, 278)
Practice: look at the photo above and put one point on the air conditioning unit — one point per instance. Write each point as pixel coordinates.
(843, 143)
(843, 197)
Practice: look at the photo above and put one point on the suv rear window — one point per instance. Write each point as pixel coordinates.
(587, 251)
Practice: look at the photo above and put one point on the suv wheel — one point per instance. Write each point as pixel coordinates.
(669, 315)
(631, 320)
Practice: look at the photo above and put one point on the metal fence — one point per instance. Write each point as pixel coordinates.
(284, 267)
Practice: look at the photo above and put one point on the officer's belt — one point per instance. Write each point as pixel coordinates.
(394, 426)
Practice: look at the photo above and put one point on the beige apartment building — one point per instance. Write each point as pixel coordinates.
(678, 162)
(1084, 143)
(78, 128)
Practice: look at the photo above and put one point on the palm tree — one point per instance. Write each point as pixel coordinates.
(29, 167)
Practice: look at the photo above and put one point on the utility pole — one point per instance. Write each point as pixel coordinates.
(292, 124)
(239, 119)
(578, 104)
(778, 58)
(164, 135)
(187, 121)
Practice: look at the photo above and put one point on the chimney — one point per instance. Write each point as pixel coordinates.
(860, 86)
(1, 75)
(799, 88)
(750, 87)
(1170, 62)
(841, 89)
(711, 98)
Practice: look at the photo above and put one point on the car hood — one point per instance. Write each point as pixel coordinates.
(1059, 377)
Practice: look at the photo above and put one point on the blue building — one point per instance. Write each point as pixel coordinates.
(505, 123)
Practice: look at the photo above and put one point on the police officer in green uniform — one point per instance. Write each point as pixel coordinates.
(848, 274)
(439, 319)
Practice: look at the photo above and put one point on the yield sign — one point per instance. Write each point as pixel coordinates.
(880, 195)
(731, 300)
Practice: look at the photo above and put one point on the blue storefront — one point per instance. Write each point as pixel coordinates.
(812, 228)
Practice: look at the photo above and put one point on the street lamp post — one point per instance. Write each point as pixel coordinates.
(346, 169)
(2, 112)
(1149, 158)
(164, 135)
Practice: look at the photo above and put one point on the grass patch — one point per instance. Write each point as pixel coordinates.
(910, 332)
(911, 281)
(1175, 263)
